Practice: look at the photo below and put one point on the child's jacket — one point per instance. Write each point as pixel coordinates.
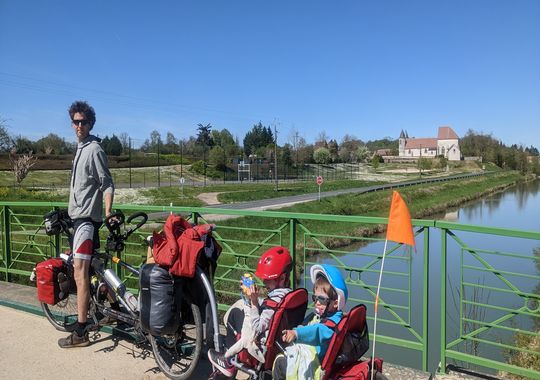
(318, 332)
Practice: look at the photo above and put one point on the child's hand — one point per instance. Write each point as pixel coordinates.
(288, 336)
(253, 295)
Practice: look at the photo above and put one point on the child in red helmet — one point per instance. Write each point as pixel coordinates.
(273, 269)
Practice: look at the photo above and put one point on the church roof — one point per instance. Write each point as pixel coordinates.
(447, 133)
(421, 143)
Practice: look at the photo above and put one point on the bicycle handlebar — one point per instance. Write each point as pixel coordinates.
(114, 221)
(139, 214)
(115, 240)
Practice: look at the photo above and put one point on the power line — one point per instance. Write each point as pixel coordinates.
(59, 88)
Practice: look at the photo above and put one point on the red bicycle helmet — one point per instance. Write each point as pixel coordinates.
(273, 263)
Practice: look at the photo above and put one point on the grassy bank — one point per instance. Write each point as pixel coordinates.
(423, 200)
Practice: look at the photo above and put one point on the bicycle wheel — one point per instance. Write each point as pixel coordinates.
(63, 315)
(177, 355)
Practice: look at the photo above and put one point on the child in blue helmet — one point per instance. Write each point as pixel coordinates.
(329, 297)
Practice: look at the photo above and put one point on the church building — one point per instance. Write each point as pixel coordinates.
(446, 144)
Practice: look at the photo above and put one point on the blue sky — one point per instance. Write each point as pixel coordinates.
(364, 68)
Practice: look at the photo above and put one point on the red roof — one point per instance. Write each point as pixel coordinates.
(447, 133)
(421, 143)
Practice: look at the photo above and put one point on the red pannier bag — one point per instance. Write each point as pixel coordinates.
(165, 248)
(52, 281)
(179, 245)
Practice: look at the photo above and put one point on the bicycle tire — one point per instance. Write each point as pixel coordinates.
(177, 356)
(63, 315)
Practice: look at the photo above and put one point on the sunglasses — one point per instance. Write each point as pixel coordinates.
(79, 122)
(321, 299)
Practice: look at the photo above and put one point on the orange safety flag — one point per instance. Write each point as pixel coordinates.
(399, 222)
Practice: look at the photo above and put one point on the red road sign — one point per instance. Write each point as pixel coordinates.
(320, 180)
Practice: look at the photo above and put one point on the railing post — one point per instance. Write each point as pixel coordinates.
(7, 243)
(442, 363)
(195, 217)
(292, 250)
(57, 242)
(425, 311)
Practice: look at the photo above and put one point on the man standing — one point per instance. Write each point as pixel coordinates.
(91, 183)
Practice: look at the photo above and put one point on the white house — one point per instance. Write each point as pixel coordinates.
(446, 144)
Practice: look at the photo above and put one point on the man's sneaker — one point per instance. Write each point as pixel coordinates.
(74, 340)
(219, 361)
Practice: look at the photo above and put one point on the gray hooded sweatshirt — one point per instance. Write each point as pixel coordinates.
(90, 179)
(260, 317)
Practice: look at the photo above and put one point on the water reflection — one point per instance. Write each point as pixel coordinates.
(516, 208)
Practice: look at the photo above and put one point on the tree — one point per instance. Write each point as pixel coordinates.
(6, 142)
(124, 140)
(171, 144)
(204, 135)
(225, 139)
(362, 153)
(150, 145)
(115, 146)
(258, 137)
(21, 164)
(53, 144)
(321, 141)
(286, 156)
(304, 151)
(425, 163)
(216, 157)
(321, 156)
(375, 161)
(533, 151)
(333, 148)
(385, 143)
(23, 145)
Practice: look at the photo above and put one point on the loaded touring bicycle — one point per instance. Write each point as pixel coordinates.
(176, 338)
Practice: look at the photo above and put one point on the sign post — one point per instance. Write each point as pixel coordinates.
(182, 180)
(319, 181)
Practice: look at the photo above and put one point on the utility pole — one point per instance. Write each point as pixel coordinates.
(275, 156)
(158, 179)
(130, 162)
(181, 158)
(296, 148)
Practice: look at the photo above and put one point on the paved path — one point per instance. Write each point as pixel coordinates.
(265, 203)
(28, 350)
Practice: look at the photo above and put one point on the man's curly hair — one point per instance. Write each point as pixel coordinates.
(86, 109)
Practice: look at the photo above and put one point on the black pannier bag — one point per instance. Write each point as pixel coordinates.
(57, 221)
(160, 314)
(354, 346)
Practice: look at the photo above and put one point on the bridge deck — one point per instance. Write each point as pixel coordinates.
(28, 349)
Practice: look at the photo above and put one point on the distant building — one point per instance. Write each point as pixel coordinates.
(383, 152)
(445, 144)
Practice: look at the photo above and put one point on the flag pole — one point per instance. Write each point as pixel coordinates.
(376, 310)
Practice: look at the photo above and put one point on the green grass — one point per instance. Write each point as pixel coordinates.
(267, 191)
(22, 194)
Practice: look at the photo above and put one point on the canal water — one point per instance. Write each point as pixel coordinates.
(515, 208)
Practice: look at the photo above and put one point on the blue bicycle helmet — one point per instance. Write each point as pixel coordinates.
(335, 279)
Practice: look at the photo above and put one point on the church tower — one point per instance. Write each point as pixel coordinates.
(402, 141)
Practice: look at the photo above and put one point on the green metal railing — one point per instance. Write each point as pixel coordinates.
(485, 320)
(408, 297)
